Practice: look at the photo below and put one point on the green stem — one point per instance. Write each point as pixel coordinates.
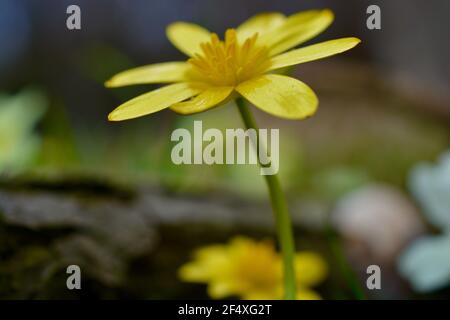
(344, 267)
(281, 213)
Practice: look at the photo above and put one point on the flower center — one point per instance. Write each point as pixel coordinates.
(229, 62)
(258, 266)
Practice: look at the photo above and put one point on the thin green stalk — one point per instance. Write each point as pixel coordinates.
(344, 267)
(281, 213)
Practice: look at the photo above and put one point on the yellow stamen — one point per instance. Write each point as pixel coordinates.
(229, 62)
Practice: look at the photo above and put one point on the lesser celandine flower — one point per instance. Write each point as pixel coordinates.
(241, 66)
(252, 270)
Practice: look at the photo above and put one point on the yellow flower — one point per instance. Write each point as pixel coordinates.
(251, 270)
(243, 64)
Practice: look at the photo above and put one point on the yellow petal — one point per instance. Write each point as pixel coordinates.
(209, 98)
(305, 294)
(311, 269)
(260, 23)
(194, 272)
(154, 73)
(297, 29)
(187, 36)
(261, 294)
(280, 96)
(211, 251)
(225, 287)
(154, 101)
(209, 263)
(313, 52)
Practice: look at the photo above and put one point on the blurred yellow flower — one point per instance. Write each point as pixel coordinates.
(242, 64)
(251, 270)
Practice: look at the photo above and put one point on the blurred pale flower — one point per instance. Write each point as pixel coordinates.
(18, 116)
(251, 270)
(378, 218)
(430, 185)
(241, 64)
(426, 263)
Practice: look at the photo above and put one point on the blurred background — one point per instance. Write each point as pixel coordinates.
(368, 177)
